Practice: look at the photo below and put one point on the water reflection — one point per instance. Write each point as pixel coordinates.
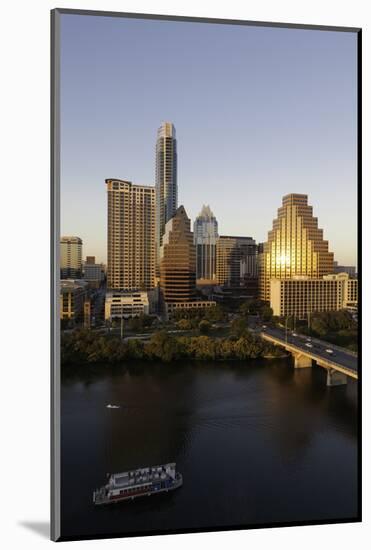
(250, 439)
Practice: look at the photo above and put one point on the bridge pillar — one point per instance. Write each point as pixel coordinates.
(302, 361)
(335, 378)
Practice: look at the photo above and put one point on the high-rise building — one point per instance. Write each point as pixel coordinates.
(205, 234)
(178, 260)
(131, 257)
(295, 245)
(71, 257)
(166, 179)
(249, 268)
(302, 295)
(230, 253)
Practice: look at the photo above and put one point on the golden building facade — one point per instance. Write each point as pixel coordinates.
(178, 260)
(295, 245)
(131, 254)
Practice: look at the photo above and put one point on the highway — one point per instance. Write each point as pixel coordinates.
(316, 348)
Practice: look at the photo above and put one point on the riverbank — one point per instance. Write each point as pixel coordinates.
(84, 347)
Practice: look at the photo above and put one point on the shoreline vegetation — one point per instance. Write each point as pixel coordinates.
(203, 335)
(83, 347)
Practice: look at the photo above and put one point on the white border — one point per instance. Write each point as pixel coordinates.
(25, 273)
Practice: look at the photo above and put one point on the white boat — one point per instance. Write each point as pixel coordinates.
(109, 406)
(140, 482)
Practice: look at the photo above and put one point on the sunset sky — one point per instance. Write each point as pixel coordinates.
(259, 113)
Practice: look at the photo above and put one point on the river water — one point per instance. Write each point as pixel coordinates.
(256, 442)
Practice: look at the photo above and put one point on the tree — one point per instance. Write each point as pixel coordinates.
(266, 313)
(252, 307)
(140, 323)
(184, 324)
(242, 348)
(244, 308)
(214, 314)
(135, 349)
(202, 347)
(238, 327)
(163, 346)
(204, 327)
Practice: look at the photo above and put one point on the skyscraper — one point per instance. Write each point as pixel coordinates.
(131, 236)
(166, 179)
(205, 234)
(71, 257)
(231, 252)
(295, 245)
(178, 260)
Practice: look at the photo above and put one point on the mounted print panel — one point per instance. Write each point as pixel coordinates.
(205, 193)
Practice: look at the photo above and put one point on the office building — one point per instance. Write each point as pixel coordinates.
(205, 234)
(349, 288)
(93, 272)
(232, 253)
(302, 295)
(295, 245)
(166, 180)
(73, 293)
(131, 236)
(350, 269)
(249, 264)
(71, 257)
(173, 307)
(120, 304)
(178, 260)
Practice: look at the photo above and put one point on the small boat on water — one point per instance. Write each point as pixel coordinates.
(109, 406)
(140, 482)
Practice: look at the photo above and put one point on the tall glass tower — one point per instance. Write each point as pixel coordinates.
(205, 232)
(166, 180)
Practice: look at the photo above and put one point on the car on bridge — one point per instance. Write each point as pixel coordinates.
(330, 351)
(309, 345)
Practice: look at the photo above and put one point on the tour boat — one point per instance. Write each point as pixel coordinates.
(137, 483)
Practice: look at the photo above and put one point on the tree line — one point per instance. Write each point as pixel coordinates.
(83, 346)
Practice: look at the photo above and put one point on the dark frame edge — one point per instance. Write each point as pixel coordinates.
(189, 18)
(360, 273)
(55, 528)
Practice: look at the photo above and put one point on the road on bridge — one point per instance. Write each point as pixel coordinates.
(316, 347)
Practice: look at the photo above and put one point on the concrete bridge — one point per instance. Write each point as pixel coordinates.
(339, 363)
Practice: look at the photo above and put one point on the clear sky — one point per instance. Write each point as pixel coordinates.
(259, 112)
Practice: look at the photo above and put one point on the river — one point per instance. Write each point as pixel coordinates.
(257, 442)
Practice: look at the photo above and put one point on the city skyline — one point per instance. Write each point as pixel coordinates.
(301, 139)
